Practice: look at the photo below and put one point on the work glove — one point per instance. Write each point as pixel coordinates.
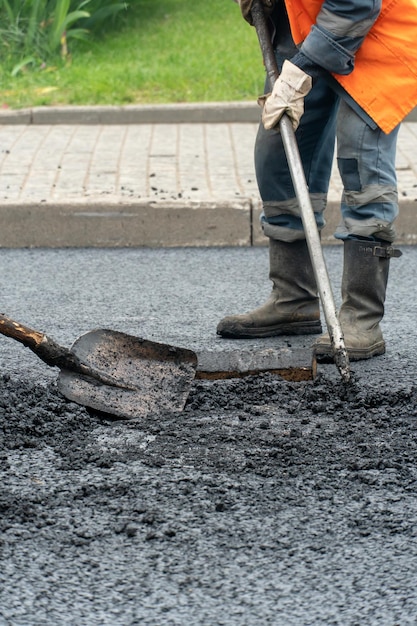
(246, 6)
(287, 96)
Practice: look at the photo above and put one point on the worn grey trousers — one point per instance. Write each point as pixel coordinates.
(366, 162)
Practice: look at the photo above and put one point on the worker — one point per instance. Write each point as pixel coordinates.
(348, 70)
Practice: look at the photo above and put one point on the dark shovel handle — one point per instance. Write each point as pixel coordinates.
(45, 348)
(264, 38)
(29, 337)
(51, 352)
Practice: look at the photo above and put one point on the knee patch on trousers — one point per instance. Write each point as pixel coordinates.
(349, 172)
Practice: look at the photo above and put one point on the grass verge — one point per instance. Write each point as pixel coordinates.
(164, 52)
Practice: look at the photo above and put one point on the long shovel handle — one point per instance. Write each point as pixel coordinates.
(307, 213)
(45, 348)
(51, 352)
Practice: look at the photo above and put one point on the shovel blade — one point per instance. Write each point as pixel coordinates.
(150, 377)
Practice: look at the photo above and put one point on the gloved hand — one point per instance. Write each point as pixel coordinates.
(287, 96)
(246, 6)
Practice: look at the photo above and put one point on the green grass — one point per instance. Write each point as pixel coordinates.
(165, 51)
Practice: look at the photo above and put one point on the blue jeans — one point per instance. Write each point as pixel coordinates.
(366, 162)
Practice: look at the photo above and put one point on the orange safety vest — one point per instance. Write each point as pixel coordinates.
(384, 79)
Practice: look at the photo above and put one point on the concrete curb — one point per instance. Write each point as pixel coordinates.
(206, 112)
(101, 224)
(104, 224)
(198, 113)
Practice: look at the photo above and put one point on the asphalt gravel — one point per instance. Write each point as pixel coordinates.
(263, 502)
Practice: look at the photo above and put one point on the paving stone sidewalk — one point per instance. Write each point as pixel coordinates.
(154, 183)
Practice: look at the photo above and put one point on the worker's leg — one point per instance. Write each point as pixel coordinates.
(366, 160)
(293, 306)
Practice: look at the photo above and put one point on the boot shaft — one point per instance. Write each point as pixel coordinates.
(293, 306)
(365, 277)
(291, 271)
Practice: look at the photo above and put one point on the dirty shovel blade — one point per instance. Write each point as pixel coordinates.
(149, 377)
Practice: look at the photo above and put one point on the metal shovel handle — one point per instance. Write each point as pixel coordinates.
(307, 213)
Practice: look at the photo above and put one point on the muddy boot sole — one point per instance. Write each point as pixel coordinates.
(295, 328)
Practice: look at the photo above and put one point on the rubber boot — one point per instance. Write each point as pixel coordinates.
(364, 284)
(293, 306)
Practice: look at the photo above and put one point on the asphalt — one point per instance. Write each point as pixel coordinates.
(262, 504)
(149, 176)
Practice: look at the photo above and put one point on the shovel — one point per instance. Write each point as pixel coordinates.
(307, 214)
(112, 372)
(129, 377)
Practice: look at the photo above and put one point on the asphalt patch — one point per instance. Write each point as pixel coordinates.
(264, 502)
